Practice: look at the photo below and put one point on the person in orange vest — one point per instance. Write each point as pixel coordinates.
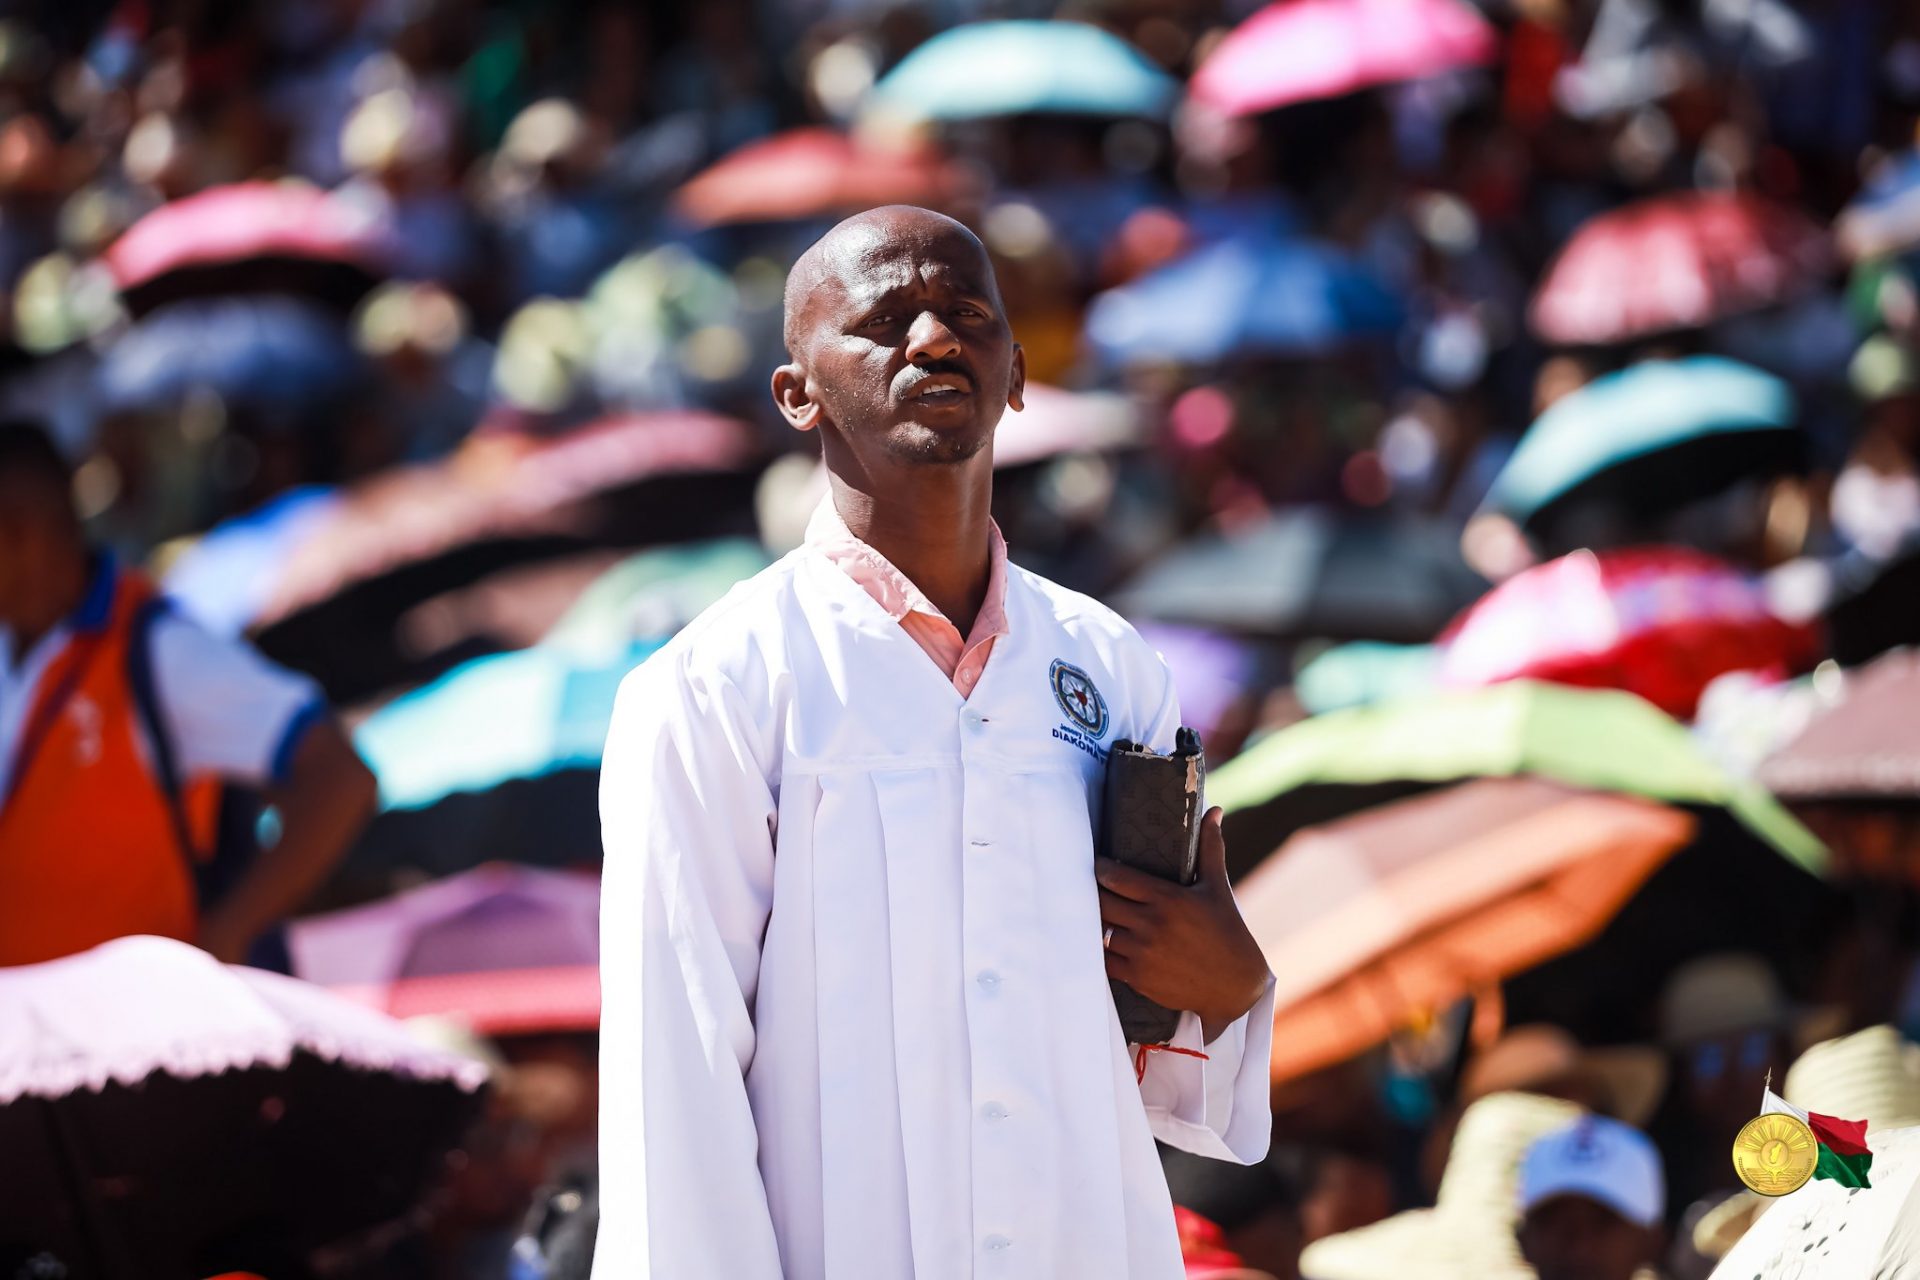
(118, 721)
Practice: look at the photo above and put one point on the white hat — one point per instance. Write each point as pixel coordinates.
(1468, 1234)
(1597, 1159)
(1871, 1075)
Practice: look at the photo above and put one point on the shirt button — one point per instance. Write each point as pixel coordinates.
(995, 1244)
(988, 980)
(994, 1111)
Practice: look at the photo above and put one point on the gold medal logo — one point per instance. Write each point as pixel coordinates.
(1775, 1154)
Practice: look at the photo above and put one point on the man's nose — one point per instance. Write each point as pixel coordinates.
(929, 340)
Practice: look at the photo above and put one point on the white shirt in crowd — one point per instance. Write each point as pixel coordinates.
(856, 1015)
(228, 711)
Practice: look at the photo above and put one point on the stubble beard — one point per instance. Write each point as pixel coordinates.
(919, 445)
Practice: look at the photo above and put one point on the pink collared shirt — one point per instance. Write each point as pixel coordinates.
(961, 659)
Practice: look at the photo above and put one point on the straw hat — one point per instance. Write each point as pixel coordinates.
(1871, 1075)
(1540, 1058)
(1719, 995)
(1720, 1228)
(1468, 1234)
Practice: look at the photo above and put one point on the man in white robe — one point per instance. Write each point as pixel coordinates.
(855, 945)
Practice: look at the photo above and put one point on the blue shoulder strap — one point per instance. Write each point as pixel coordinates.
(146, 702)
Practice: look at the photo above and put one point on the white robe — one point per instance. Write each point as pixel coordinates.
(856, 1018)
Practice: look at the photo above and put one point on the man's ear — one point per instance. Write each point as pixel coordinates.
(799, 408)
(1017, 384)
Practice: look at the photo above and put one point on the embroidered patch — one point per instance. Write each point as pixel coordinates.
(1073, 690)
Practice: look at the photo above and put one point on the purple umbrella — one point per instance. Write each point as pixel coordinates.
(505, 949)
(1211, 671)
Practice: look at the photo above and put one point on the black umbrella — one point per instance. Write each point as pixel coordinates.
(1313, 572)
(1875, 605)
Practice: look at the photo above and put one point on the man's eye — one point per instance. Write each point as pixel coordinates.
(972, 313)
(871, 321)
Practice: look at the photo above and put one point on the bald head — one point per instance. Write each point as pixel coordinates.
(857, 244)
(897, 344)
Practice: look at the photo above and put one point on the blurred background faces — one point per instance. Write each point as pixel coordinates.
(1504, 415)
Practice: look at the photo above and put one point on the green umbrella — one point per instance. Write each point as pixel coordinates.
(1603, 740)
(653, 594)
(1650, 438)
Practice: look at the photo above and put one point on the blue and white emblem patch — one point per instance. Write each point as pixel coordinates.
(1073, 689)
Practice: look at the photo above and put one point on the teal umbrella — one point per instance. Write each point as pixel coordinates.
(1026, 67)
(653, 593)
(496, 760)
(1362, 672)
(493, 720)
(1648, 439)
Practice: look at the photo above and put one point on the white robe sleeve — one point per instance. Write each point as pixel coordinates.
(687, 816)
(1218, 1106)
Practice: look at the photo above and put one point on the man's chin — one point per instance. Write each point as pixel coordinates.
(922, 445)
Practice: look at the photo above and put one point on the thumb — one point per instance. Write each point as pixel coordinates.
(1213, 850)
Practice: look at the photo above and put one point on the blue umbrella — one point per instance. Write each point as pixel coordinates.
(1251, 296)
(1650, 438)
(1885, 217)
(226, 578)
(267, 351)
(1898, 180)
(1023, 67)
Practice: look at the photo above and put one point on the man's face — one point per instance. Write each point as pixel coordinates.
(19, 548)
(1573, 1238)
(903, 346)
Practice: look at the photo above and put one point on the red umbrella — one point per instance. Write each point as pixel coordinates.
(1676, 262)
(1303, 50)
(810, 173)
(250, 237)
(1660, 622)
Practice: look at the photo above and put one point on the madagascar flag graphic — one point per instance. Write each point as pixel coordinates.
(1843, 1143)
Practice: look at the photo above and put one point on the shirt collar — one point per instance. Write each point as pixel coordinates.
(891, 589)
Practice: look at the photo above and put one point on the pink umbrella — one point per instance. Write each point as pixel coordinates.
(812, 173)
(1676, 262)
(228, 231)
(1303, 50)
(156, 1104)
(505, 949)
(1056, 422)
(498, 486)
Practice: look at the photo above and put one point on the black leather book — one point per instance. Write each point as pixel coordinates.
(1151, 821)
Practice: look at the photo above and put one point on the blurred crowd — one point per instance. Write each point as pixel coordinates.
(1505, 416)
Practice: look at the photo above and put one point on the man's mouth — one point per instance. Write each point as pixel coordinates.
(941, 388)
